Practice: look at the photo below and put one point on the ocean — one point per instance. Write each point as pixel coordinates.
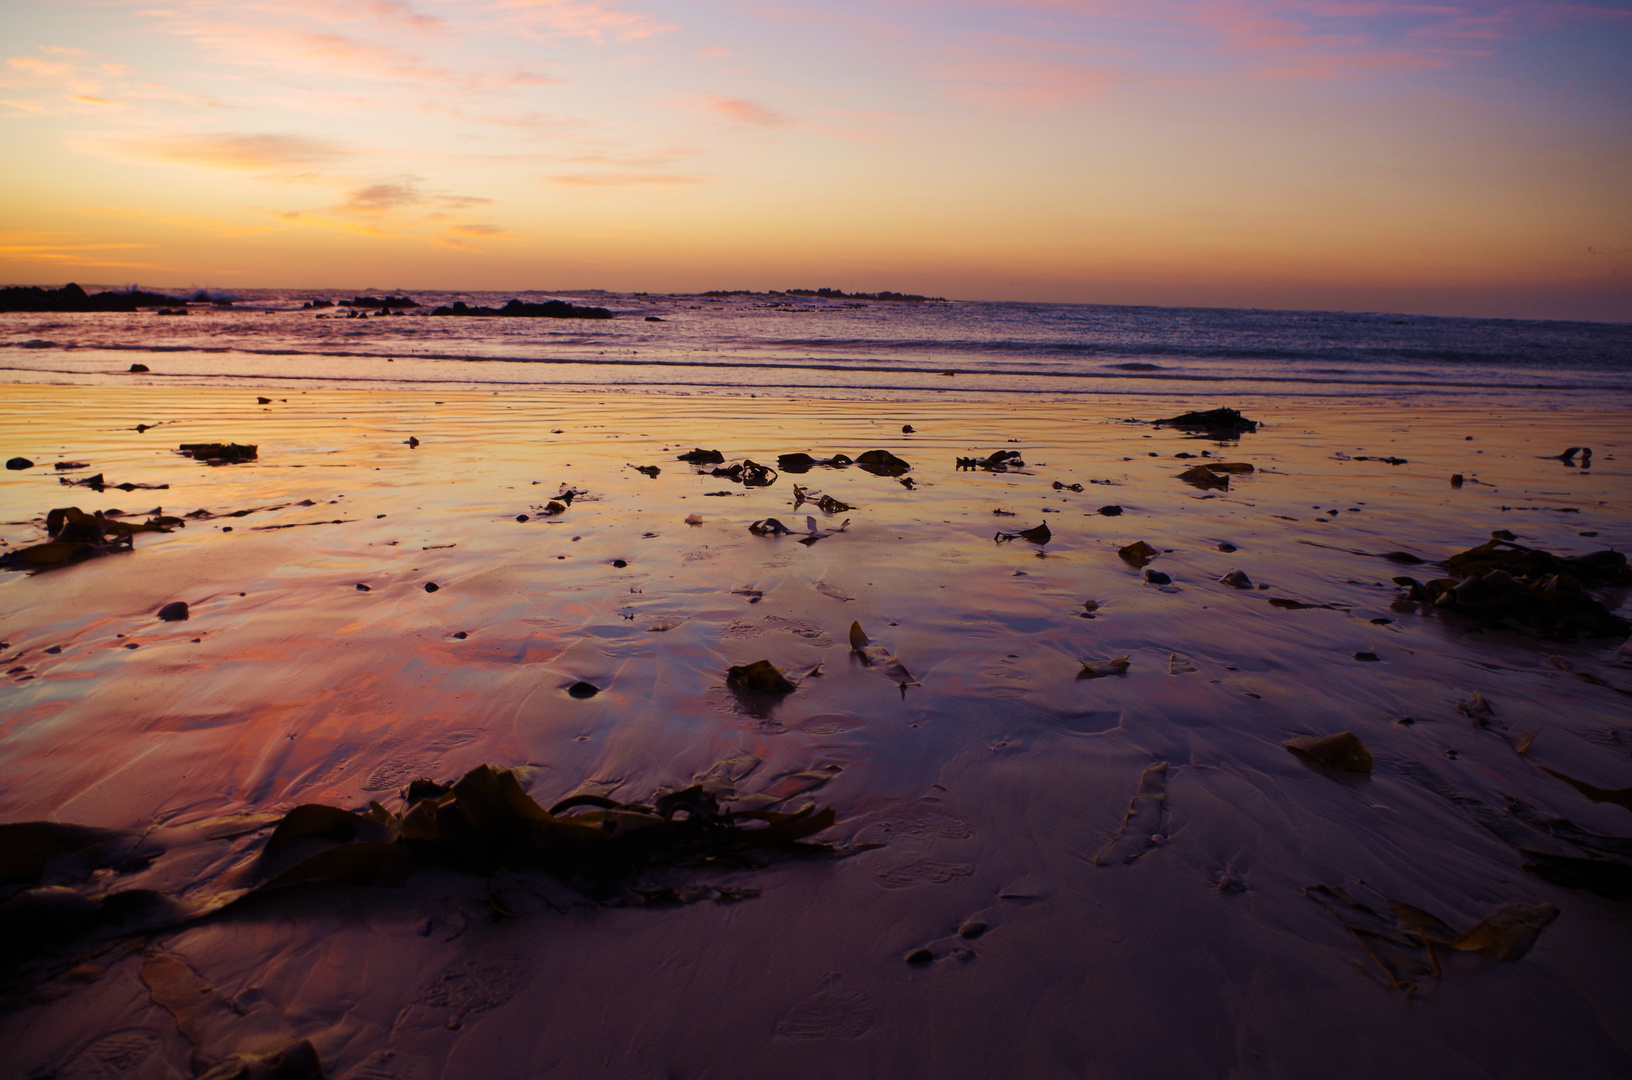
(800, 345)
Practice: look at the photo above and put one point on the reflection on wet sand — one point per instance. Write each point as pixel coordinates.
(1058, 763)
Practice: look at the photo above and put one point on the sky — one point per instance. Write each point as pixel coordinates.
(1467, 157)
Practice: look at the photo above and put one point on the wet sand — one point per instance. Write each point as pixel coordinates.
(997, 786)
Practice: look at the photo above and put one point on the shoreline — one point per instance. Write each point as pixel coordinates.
(995, 783)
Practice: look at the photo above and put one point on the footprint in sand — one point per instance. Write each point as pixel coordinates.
(921, 871)
(117, 1053)
(828, 724)
(464, 991)
(397, 772)
(832, 1012)
(939, 824)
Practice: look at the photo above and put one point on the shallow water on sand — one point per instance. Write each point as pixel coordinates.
(992, 782)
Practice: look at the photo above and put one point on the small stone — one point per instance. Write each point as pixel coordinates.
(17, 463)
(137, 369)
(1226, 547)
(920, 956)
(175, 611)
(1111, 511)
(1156, 577)
(521, 517)
(972, 929)
(462, 635)
(1236, 579)
(363, 588)
(1456, 480)
(620, 563)
(431, 586)
(583, 690)
(1368, 657)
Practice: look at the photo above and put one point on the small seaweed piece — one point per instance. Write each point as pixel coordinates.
(1217, 423)
(1342, 751)
(219, 453)
(761, 677)
(1036, 535)
(1138, 553)
(882, 463)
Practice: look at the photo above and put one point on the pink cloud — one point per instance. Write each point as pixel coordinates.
(582, 18)
(747, 112)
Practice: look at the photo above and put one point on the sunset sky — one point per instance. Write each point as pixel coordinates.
(1460, 157)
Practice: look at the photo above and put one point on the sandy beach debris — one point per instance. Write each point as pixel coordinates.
(998, 461)
(1101, 669)
(219, 453)
(1137, 553)
(1215, 423)
(760, 677)
(1402, 943)
(700, 456)
(1143, 825)
(882, 463)
(1037, 534)
(1504, 583)
(1343, 751)
(748, 473)
(97, 483)
(1621, 797)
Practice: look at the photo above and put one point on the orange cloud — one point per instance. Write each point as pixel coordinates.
(270, 154)
(747, 112)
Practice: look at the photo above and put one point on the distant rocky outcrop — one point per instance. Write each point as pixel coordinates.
(73, 298)
(829, 294)
(886, 295)
(378, 302)
(519, 309)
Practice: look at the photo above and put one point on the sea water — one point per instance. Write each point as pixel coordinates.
(801, 345)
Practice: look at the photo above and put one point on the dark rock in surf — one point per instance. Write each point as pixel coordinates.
(175, 611)
(19, 463)
(73, 298)
(520, 309)
(379, 302)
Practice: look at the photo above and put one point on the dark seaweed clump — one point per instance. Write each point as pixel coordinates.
(1501, 582)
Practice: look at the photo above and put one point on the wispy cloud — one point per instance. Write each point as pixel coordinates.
(64, 250)
(744, 111)
(225, 35)
(279, 155)
(387, 196)
(576, 18)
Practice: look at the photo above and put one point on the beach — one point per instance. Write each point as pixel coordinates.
(1044, 862)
